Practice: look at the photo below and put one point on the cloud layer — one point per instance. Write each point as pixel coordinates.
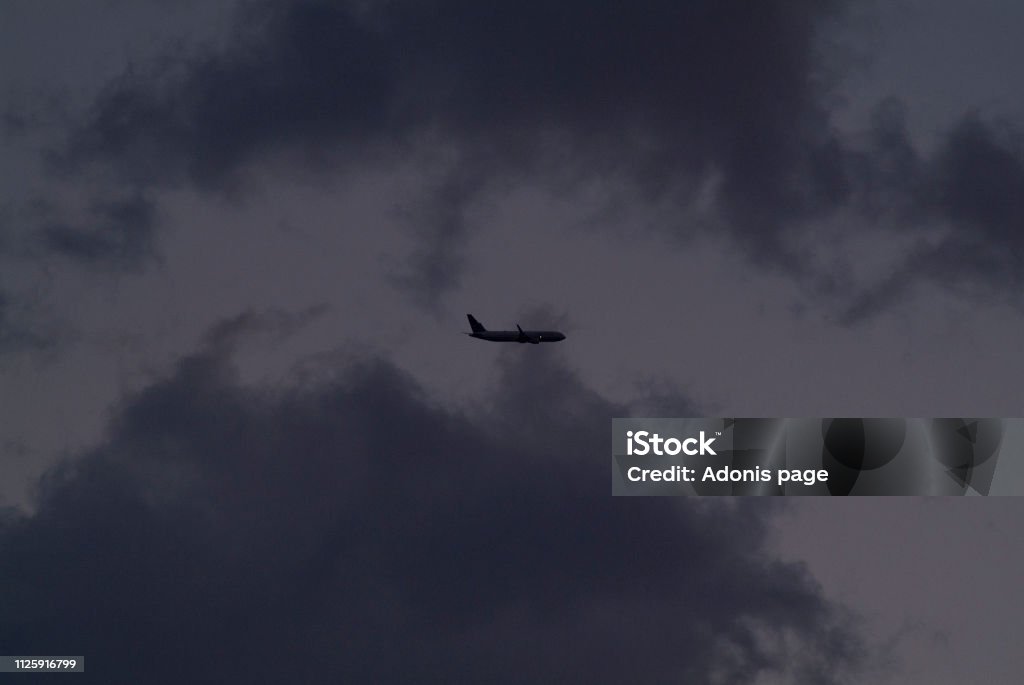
(661, 97)
(350, 528)
(962, 203)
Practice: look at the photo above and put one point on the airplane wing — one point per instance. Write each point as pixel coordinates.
(523, 337)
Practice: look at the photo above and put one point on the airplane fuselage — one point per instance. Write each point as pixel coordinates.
(534, 337)
(518, 335)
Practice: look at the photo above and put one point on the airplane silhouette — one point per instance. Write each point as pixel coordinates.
(519, 336)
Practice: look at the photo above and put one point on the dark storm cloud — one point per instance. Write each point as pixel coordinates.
(16, 333)
(970, 193)
(115, 232)
(279, 323)
(980, 186)
(660, 95)
(436, 264)
(350, 528)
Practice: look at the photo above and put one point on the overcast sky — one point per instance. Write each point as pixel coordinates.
(237, 246)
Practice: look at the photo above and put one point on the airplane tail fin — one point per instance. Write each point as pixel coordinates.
(475, 325)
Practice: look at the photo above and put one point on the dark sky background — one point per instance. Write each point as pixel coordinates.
(244, 440)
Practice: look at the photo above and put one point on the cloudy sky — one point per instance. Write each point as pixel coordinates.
(244, 439)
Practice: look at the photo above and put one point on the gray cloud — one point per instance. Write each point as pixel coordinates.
(970, 192)
(113, 232)
(281, 324)
(660, 96)
(980, 182)
(20, 327)
(351, 527)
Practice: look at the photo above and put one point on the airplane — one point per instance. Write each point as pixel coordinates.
(519, 336)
